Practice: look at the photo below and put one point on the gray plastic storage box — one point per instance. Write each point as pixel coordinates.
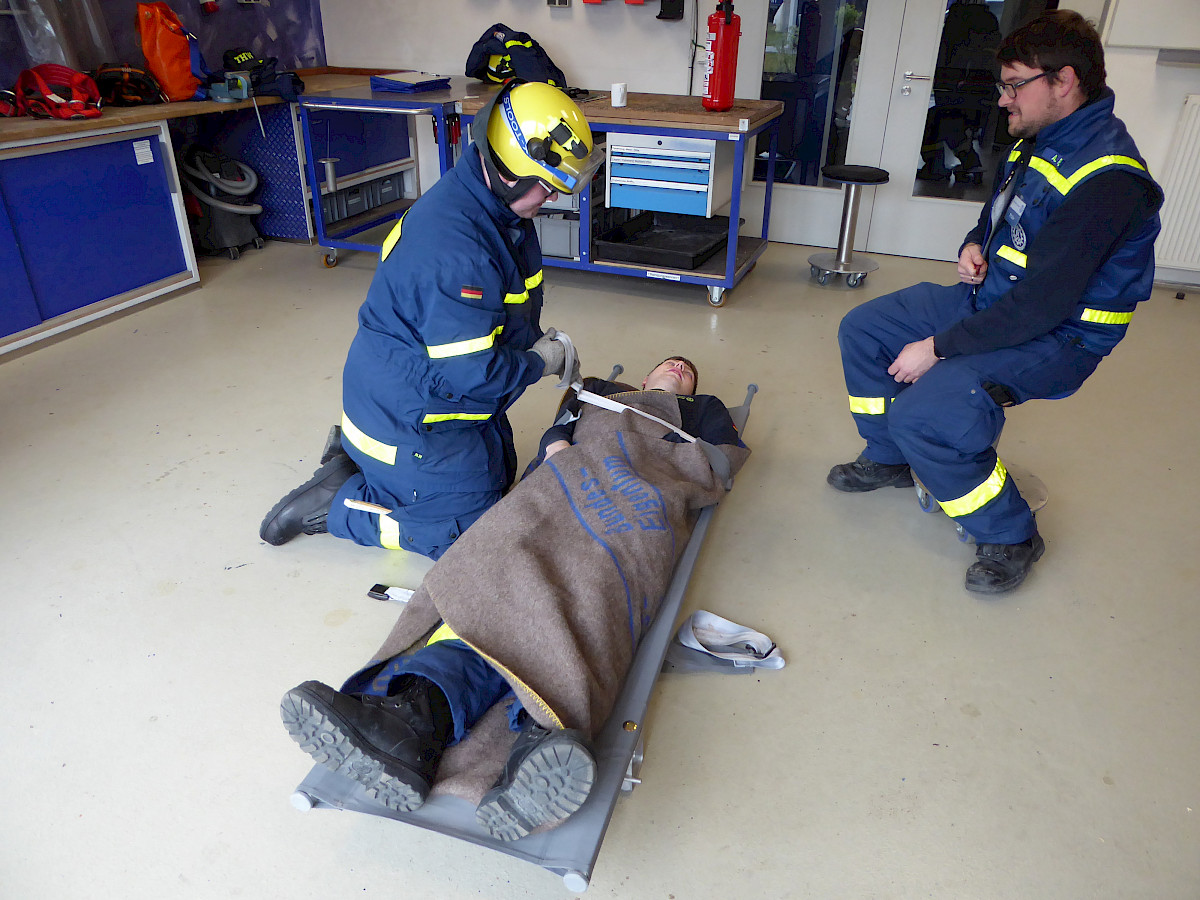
(558, 235)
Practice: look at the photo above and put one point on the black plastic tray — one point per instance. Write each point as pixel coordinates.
(671, 240)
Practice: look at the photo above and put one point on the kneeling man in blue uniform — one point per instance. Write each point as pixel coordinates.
(448, 338)
(1050, 278)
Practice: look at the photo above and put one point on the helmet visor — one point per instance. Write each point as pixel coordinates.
(570, 175)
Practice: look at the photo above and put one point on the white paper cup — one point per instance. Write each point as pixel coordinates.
(620, 93)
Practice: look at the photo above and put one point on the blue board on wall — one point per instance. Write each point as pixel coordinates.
(72, 237)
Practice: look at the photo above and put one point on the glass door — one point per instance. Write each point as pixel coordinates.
(904, 86)
(945, 132)
(830, 62)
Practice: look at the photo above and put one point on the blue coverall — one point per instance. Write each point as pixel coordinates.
(945, 424)
(442, 350)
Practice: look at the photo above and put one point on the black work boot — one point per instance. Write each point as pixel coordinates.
(866, 475)
(547, 777)
(333, 445)
(389, 745)
(305, 510)
(1001, 567)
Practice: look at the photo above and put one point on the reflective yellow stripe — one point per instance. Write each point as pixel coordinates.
(389, 533)
(1104, 317)
(447, 417)
(393, 238)
(460, 348)
(443, 633)
(385, 453)
(530, 283)
(511, 677)
(1013, 256)
(868, 406)
(1063, 184)
(983, 494)
(528, 44)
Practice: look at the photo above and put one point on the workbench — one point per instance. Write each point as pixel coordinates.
(668, 116)
(108, 190)
(658, 115)
(91, 212)
(354, 95)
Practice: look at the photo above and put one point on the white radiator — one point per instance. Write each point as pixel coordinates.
(1178, 245)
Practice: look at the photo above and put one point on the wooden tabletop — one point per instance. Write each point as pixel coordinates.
(642, 109)
(664, 109)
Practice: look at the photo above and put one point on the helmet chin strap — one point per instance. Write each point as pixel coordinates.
(507, 193)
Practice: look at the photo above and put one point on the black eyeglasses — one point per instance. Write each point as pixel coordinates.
(1011, 88)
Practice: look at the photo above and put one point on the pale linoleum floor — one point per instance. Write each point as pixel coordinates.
(921, 742)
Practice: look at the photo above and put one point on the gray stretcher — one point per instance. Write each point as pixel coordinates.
(570, 850)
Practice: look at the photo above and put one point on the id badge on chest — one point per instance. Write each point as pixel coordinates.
(1015, 209)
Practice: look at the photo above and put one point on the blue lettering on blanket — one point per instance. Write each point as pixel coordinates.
(617, 501)
(645, 506)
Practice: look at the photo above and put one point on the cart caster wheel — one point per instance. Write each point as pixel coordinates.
(813, 272)
(330, 260)
(823, 278)
(234, 253)
(716, 296)
(962, 533)
(926, 501)
(259, 243)
(855, 280)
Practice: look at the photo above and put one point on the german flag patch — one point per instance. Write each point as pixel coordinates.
(472, 293)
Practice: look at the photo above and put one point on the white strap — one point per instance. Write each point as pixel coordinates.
(617, 406)
(725, 640)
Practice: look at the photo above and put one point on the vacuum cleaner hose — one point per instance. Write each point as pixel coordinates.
(238, 188)
(238, 209)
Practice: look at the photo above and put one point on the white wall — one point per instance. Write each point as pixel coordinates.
(594, 44)
(598, 44)
(1149, 97)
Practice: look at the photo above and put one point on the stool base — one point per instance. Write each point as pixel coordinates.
(1033, 491)
(856, 269)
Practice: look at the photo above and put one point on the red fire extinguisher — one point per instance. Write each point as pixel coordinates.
(208, 6)
(720, 52)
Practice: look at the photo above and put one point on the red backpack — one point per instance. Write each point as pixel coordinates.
(51, 91)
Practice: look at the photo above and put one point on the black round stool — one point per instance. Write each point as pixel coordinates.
(844, 262)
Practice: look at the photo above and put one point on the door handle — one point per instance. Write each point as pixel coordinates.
(909, 76)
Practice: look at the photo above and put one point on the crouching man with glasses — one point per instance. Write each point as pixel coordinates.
(1049, 280)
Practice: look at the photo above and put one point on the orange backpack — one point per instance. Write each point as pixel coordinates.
(168, 53)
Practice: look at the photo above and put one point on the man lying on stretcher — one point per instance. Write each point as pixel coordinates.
(546, 596)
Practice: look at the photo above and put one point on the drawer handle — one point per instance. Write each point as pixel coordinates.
(659, 151)
(658, 163)
(666, 185)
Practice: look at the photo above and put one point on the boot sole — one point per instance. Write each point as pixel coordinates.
(1006, 586)
(900, 481)
(330, 742)
(550, 784)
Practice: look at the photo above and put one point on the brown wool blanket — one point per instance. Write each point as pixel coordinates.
(557, 583)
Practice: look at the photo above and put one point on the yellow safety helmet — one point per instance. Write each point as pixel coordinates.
(532, 132)
(498, 68)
